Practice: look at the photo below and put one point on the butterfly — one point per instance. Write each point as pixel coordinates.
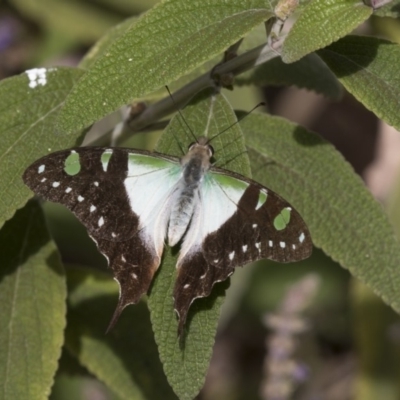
(133, 201)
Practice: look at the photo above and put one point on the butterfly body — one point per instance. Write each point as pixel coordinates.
(132, 201)
(195, 164)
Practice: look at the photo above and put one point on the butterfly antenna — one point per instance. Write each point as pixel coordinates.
(262, 103)
(231, 159)
(183, 119)
(231, 143)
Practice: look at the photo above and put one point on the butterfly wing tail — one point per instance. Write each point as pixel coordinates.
(134, 266)
(196, 278)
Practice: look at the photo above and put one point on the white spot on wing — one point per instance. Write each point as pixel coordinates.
(41, 169)
(133, 275)
(270, 243)
(68, 189)
(258, 245)
(105, 158)
(282, 244)
(231, 255)
(92, 208)
(96, 183)
(294, 246)
(186, 286)
(113, 234)
(244, 248)
(80, 198)
(216, 261)
(43, 180)
(36, 76)
(123, 258)
(254, 226)
(101, 222)
(203, 276)
(56, 184)
(302, 237)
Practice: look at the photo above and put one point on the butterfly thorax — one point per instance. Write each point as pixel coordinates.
(195, 165)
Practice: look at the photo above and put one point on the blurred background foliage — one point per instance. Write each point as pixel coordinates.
(351, 345)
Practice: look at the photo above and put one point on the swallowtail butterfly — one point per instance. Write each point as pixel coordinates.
(132, 201)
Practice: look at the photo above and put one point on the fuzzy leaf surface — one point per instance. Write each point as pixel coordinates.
(125, 359)
(309, 73)
(32, 297)
(167, 42)
(369, 69)
(28, 111)
(321, 23)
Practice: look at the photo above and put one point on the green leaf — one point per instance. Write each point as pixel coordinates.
(103, 44)
(392, 9)
(167, 42)
(27, 128)
(369, 69)
(32, 298)
(343, 217)
(125, 359)
(186, 363)
(310, 73)
(321, 23)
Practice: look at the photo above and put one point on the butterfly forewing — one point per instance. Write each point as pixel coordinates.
(88, 181)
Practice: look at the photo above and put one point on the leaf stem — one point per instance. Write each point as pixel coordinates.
(181, 97)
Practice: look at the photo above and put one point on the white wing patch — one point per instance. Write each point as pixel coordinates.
(150, 185)
(219, 195)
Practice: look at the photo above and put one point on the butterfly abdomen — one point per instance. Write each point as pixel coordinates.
(182, 211)
(186, 197)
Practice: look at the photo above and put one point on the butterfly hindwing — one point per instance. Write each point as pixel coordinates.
(133, 265)
(248, 222)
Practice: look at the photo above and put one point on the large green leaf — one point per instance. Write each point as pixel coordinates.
(30, 104)
(255, 38)
(165, 43)
(310, 73)
(125, 359)
(101, 46)
(321, 23)
(185, 363)
(343, 217)
(32, 298)
(369, 69)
